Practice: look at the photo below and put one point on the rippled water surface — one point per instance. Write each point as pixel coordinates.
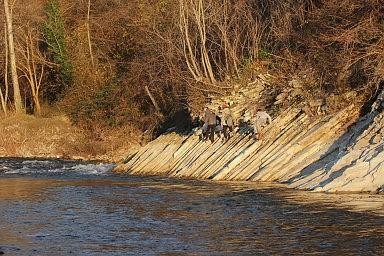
(52, 207)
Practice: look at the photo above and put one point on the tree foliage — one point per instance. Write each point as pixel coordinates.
(54, 34)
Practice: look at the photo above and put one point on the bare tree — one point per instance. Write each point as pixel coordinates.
(4, 96)
(239, 31)
(89, 33)
(15, 80)
(32, 65)
(195, 54)
(218, 37)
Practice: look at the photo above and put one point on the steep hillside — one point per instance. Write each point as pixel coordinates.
(321, 153)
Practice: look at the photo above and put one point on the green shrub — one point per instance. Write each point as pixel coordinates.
(54, 35)
(110, 106)
(264, 53)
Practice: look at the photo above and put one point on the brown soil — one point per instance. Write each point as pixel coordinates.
(30, 136)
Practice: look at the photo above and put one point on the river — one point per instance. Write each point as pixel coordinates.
(60, 207)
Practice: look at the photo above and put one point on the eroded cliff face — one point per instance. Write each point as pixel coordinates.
(322, 153)
(356, 162)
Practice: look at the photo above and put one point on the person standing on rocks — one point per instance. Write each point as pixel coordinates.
(210, 122)
(204, 129)
(261, 120)
(218, 127)
(227, 121)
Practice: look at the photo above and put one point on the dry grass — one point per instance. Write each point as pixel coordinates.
(29, 136)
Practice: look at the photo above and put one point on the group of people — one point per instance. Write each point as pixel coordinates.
(217, 123)
(223, 122)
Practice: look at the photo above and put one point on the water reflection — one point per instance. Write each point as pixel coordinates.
(119, 215)
(22, 188)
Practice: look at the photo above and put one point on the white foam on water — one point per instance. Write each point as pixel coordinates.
(23, 170)
(94, 169)
(37, 162)
(52, 167)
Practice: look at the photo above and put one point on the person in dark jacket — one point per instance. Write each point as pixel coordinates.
(227, 121)
(218, 127)
(210, 121)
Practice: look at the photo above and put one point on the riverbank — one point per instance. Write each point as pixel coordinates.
(333, 152)
(55, 137)
(337, 152)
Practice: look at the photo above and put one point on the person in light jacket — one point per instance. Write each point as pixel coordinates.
(261, 120)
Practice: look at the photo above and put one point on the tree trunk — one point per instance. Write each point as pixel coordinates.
(199, 65)
(15, 80)
(153, 101)
(31, 72)
(89, 33)
(4, 96)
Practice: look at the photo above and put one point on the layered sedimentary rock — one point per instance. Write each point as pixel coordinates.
(355, 162)
(323, 153)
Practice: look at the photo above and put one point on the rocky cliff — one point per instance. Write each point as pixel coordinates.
(331, 152)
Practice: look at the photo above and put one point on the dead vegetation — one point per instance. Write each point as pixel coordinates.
(331, 47)
(136, 64)
(29, 136)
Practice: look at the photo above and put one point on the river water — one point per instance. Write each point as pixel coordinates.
(57, 207)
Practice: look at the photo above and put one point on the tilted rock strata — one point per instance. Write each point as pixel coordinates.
(304, 152)
(355, 164)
